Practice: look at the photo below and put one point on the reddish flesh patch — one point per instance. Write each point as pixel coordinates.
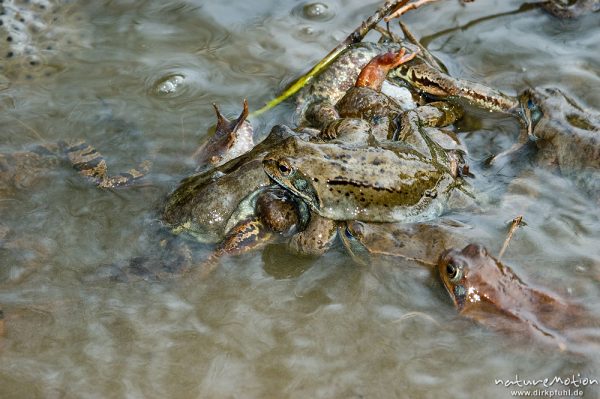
(377, 69)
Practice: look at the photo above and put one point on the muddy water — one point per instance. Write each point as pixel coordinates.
(137, 78)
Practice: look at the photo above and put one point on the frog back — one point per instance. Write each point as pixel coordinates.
(331, 84)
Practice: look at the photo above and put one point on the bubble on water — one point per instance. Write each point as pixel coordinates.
(168, 85)
(308, 34)
(315, 11)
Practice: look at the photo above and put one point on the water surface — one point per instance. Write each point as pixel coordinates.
(266, 324)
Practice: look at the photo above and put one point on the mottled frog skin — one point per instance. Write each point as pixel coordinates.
(489, 292)
(566, 133)
(390, 183)
(422, 243)
(238, 207)
(204, 204)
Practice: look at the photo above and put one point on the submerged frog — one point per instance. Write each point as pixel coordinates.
(572, 8)
(489, 292)
(237, 206)
(567, 135)
(422, 243)
(21, 169)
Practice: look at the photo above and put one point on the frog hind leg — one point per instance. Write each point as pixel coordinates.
(244, 237)
(90, 164)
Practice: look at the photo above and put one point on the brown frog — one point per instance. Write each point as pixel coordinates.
(237, 206)
(204, 204)
(316, 103)
(366, 101)
(422, 243)
(567, 134)
(20, 170)
(489, 292)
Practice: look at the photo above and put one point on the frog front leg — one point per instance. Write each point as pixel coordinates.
(247, 235)
(316, 239)
(419, 130)
(277, 214)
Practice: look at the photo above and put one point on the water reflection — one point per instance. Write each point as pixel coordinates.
(266, 324)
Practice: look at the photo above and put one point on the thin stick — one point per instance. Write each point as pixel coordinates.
(516, 222)
(411, 315)
(356, 36)
(413, 39)
(404, 9)
(389, 34)
(26, 126)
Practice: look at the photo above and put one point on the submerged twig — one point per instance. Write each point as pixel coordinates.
(425, 53)
(516, 222)
(355, 37)
(411, 315)
(389, 34)
(405, 8)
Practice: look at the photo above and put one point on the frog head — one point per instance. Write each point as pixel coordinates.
(284, 168)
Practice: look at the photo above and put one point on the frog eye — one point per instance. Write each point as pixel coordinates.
(284, 168)
(348, 233)
(454, 272)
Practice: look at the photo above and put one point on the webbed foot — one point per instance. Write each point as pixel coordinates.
(245, 236)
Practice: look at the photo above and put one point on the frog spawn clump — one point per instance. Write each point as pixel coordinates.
(32, 34)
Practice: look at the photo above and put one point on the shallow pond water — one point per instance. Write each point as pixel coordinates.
(137, 79)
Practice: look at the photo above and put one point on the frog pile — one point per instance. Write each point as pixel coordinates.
(373, 160)
(371, 149)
